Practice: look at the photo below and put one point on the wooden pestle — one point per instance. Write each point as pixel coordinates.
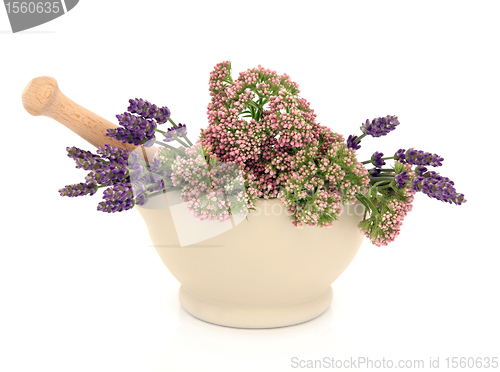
(42, 96)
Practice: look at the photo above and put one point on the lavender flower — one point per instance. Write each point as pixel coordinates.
(420, 170)
(173, 133)
(115, 154)
(400, 155)
(438, 187)
(375, 172)
(352, 143)
(135, 168)
(377, 159)
(78, 189)
(417, 157)
(84, 159)
(149, 111)
(181, 130)
(380, 126)
(135, 129)
(111, 174)
(119, 193)
(110, 206)
(401, 178)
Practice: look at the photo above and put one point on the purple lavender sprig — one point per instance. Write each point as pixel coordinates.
(84, 159)
(110, 206)
(149, 111)
(121, 171)
(418, 157)
(438, 187)
(353, 143)
(401, 178)
(139, 125)
(134, 129)
(120, 198)
(130, 181)
(79, 189)
(400, 155)
(115, 154)
(377, 159)
(380, 126)
(173, 133)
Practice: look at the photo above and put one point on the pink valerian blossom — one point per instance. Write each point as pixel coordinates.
(281, 150)
(212, 190)
(383, 227)
(392, 219)
(316, 187)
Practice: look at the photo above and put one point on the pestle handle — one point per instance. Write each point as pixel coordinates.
(42, 96)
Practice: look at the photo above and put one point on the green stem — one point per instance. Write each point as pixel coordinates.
(181, 142)
(187, 139)
(384, 187)
(378, 183)
(173, 123)
(369, 161)
(367, 200)
(381, 178)
(360, 137)
(364, 203)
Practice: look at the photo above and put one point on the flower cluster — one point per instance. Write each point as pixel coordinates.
(353, 143)
(139, 124)
(377, 160)
(417, 157)
(128, 179)
(262, 141)
(281, 150)
(384, 225)
(391, 191)
(315, 189)
(380, 126)
(401, 179)
(173, 133)
(134, 129)
(213, 190)
(78, 189)
(107, 168)
(388, 201)
(438, 187)
(149, 111)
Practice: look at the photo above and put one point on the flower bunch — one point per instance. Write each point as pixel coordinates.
(128, 179)
(173, 133)
(262, 141)
(391, 190)
(213, 190)
(281, 150)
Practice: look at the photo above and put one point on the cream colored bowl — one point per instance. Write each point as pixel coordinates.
(259, 272)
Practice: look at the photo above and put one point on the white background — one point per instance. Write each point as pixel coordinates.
(82, 290)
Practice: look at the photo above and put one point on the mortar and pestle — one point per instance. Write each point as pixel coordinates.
(258, 272)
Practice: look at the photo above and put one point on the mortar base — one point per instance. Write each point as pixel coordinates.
(255, 317)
